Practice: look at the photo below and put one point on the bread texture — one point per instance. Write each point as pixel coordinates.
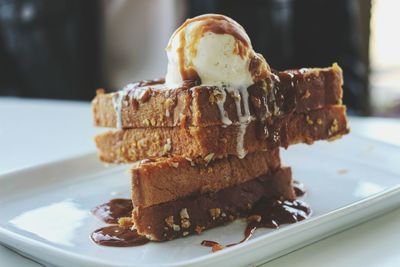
(203, 144)
(196, 213)
(167, 179)
(154, 105)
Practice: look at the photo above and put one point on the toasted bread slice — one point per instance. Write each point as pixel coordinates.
(196, 213)
(208, 143)
(154, 105)
(166, 179)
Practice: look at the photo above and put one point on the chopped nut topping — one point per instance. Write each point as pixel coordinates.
(146, 122)
(215, 213)
(334, 127)
(209, 157)
(216, 96)
(170, 221)
(319, 121)
(192, 163)
(309, 121)
(168, 105)
(184, 214)
(173, 164)
(176, 227)
(185, 233)
(307, 94)
(125, 222)
(153, 122)
(199, 229)
(185, 223)
(167, 146)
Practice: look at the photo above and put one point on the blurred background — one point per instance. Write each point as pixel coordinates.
(65, 49)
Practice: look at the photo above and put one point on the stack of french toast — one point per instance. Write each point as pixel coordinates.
(206, 154)
(193, 165)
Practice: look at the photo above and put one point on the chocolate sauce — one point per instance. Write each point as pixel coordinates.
(111, 211)
(150, 82)
(215, 246)
(268, 213)
(117, 236)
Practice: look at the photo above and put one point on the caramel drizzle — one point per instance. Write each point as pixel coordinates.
(214, 23)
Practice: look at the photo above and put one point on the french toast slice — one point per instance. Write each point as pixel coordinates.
(196, 213)
(152, 104)
(166, 179)
(204, 144)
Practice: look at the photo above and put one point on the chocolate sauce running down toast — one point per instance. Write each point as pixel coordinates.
(266, 213)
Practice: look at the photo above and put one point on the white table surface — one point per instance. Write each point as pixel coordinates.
(38, 131)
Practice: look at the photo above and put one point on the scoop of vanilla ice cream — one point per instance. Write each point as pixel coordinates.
(216, 50)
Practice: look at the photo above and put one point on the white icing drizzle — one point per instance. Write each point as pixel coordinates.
(117, 103)
(241, 151)
(138, 92)
(267, 111)
(303, 70)
(291, 75)
(275, 109)
(244, 119)
(133, 92)
(220, 103)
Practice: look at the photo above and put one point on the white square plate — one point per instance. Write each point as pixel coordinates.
(45, 210)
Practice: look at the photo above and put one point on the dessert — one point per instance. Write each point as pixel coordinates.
(208, 136)
(212, 142)
(167, 179)
(160, 106)
(196, 213)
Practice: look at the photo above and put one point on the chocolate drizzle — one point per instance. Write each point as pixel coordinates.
(117, 236)
(111, 211)
(268, 213)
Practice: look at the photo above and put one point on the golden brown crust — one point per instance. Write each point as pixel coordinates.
(212, 142)
(167, 179)
(293, 91)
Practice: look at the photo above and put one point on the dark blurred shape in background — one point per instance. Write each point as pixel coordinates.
(295, 34)
(53, 48)
(49, 49)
